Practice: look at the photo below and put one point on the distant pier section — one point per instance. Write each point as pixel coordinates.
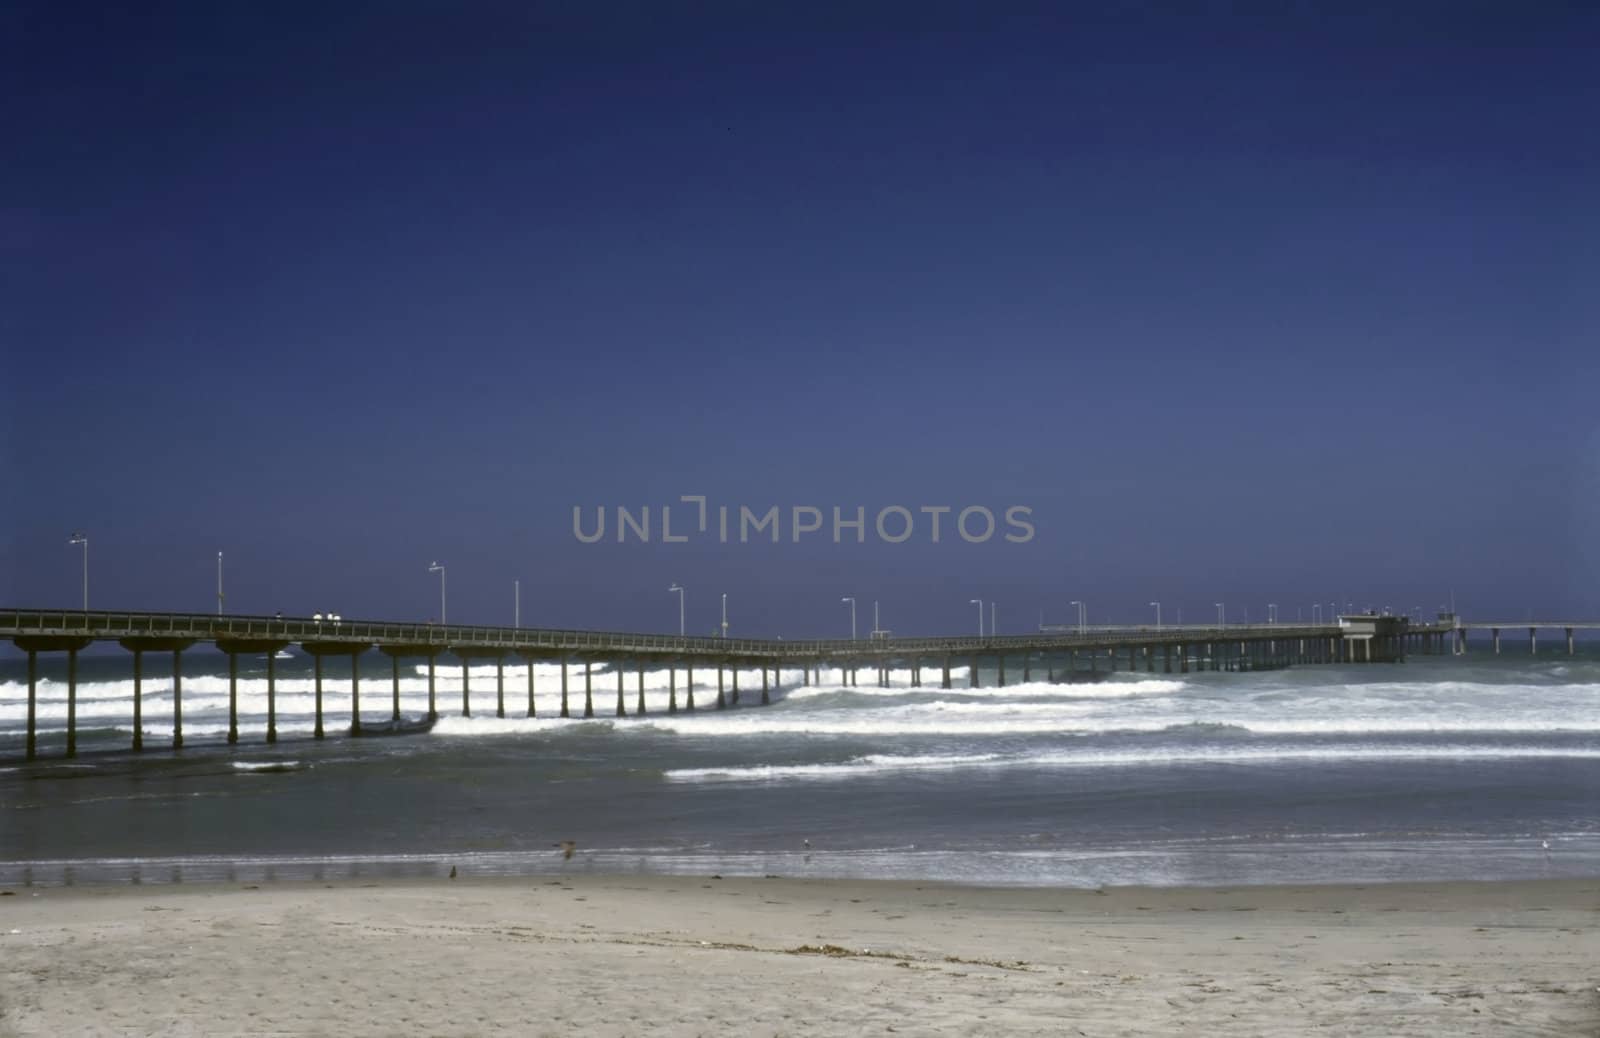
(1053, 652)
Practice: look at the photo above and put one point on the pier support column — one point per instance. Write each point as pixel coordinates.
(394, 671)
(564, 712)
(466, 687)
(766, 697)
(499, 686)
(1027, 667)
(72, 702)
(272, 697)
(722, 703)
(233, 701)
(1000, 668)
(138, 699)
(355, 693)
(316, 677)
(973, 673)
(640, 711)
(531, 710)
(433, 703)
(177, 699)
(945, 680)
(1494, 634)
(32, 750)
(622, 706)
(1533, 641)
(1166, 663)
(672, 688)
(588, 688)
(1183, 659)
(688, 687)
(1050, 668)
(733, 672)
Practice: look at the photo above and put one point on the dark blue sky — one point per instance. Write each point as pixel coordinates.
(1271, 307)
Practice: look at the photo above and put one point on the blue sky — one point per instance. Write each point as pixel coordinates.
(1256, 307)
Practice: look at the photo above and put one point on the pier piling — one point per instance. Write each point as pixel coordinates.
(138, 699)
(272, 696)
(33, 704)
(355, 693)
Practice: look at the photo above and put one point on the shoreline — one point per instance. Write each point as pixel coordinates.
(682, 955)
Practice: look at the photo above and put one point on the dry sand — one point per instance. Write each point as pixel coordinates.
(590, 956)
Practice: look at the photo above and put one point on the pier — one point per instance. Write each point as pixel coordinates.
(1056, 653)
(1494, 627)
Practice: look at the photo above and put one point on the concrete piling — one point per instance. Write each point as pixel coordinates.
(33, 705)
(272, 695)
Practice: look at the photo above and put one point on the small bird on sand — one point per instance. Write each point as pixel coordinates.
(567, 847)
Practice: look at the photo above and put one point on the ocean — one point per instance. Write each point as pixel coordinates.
(1476, 767)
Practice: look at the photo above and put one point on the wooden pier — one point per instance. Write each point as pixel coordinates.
(1051, 651)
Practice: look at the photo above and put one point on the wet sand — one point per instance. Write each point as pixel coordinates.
(629, 955)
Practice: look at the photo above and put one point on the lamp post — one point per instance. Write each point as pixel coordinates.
(79, 537)
(724, 614)
(219, 583)
(679, 590)
(434, 567)
(1080, 615)
(852, 601)
(1272, 612)
(1158, 616)
(991, 619)
(1221, 622)
(516, 604)
(1316, 613)
(979, 603)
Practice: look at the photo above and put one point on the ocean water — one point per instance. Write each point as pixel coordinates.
(1475, 767)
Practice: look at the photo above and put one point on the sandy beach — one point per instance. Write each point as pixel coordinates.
(598, 955)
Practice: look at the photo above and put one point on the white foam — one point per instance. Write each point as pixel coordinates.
(881, 763)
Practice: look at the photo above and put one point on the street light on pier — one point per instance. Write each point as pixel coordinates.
(219, 583)
(1221, 621)
(991, 619)
(679, 590)
(1272, 612)
(516, 604)
(979, 603)
(1081, 626)
(1316, 612)
(852, 601)
(434, 567)
(724, 614)
(1158, 616)
(79, 537)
